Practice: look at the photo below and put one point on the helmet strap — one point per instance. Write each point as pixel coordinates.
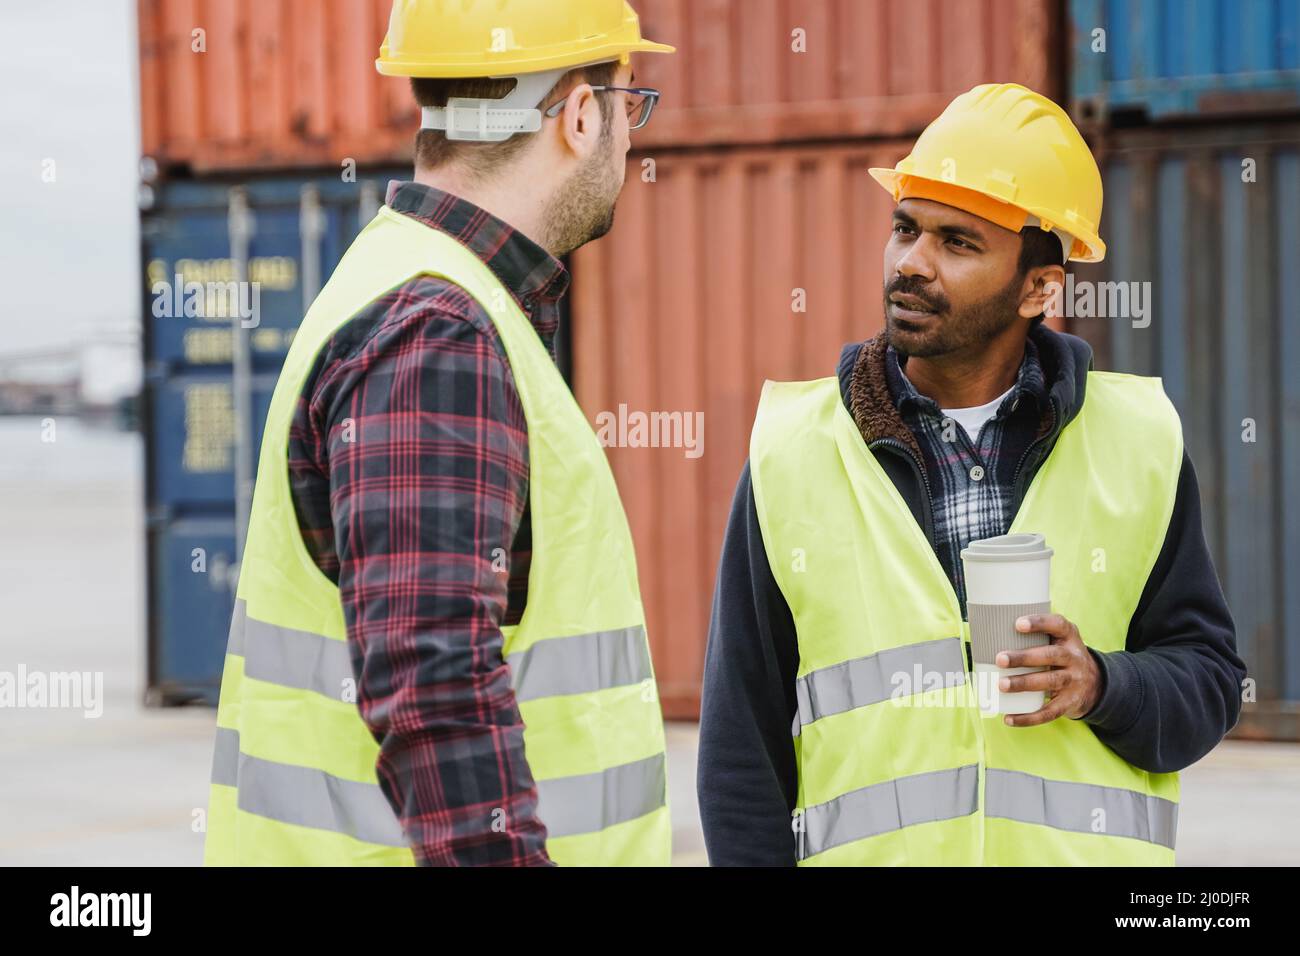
(473, 119)
(478, 120)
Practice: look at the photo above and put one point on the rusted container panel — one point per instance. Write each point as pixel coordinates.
(1210, 218)
(292, 82)
(269, 83)
(727, 269)
(858, 68)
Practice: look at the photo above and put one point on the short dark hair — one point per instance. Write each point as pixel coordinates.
(433, 149)
(1038, 247)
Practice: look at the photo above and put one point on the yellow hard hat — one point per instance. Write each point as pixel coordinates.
(1005, 153)
(500, 38)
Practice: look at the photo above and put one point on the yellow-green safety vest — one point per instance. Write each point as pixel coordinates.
(896, 766)
(293, 778)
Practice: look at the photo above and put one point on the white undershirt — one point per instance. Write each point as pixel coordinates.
(973, 419)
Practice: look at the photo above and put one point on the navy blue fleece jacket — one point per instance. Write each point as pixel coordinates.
(1167, 699)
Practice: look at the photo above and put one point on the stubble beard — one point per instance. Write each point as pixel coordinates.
(582, 209)
(952, 332)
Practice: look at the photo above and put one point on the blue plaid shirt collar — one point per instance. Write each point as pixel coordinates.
(1030, 382)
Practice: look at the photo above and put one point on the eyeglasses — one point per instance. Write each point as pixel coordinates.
(640, 103)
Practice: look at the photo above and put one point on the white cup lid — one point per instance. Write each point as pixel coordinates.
(1025, 546)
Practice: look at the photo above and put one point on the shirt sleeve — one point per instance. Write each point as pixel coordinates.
(427, 462)
(746, 779)
(1175, 690)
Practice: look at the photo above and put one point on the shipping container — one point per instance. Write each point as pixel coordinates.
(193, 570)
(192, 438)
(788, 71)
(275, 83)
(292, 83)
(194, 330)
(1178, 58)
(205, 401)
(1209, 219)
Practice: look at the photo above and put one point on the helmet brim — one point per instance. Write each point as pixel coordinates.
(1087, 248)
(472, 68)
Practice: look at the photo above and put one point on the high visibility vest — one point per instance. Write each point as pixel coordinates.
(895, 764)
(293, 778)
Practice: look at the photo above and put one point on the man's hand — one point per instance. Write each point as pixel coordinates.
(1073, 684)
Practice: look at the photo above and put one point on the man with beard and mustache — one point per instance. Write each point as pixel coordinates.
(438, 653)
(838, 724)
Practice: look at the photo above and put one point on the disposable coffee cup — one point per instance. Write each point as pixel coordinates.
(1007, 577)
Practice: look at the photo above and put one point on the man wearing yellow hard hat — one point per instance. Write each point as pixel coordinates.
(840, 723)
(438, 653)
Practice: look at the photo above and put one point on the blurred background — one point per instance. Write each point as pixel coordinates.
(224, 138)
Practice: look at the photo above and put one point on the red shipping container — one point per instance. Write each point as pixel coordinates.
(242, 84)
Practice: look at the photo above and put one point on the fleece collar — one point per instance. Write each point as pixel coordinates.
(864, 385)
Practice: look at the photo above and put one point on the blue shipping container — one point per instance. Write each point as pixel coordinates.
(203, 412)
(298, 229)
(191, 590)
(193, 438)
(1165, 58)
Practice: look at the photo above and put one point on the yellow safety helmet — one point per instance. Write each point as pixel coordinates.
(1005, 153)
(499, 38)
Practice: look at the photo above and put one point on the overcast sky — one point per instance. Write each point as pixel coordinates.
(68, 249)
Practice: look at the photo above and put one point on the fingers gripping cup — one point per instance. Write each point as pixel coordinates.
(1007, 577)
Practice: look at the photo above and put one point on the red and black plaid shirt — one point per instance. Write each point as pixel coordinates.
(408, 461)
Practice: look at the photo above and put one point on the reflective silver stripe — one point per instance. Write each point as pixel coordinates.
(288, 657)
(225, 757)
(305, 796)
(1026, 798)
(581, 664)
(238, 624)
(591, 802)
(892, 805)
(565, 665)
(872, 679)
(314, 798)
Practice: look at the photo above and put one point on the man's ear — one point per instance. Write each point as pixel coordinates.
(580, 120)
(1042, 287)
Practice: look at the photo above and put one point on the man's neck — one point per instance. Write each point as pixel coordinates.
(971, 377)
(511, 205)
